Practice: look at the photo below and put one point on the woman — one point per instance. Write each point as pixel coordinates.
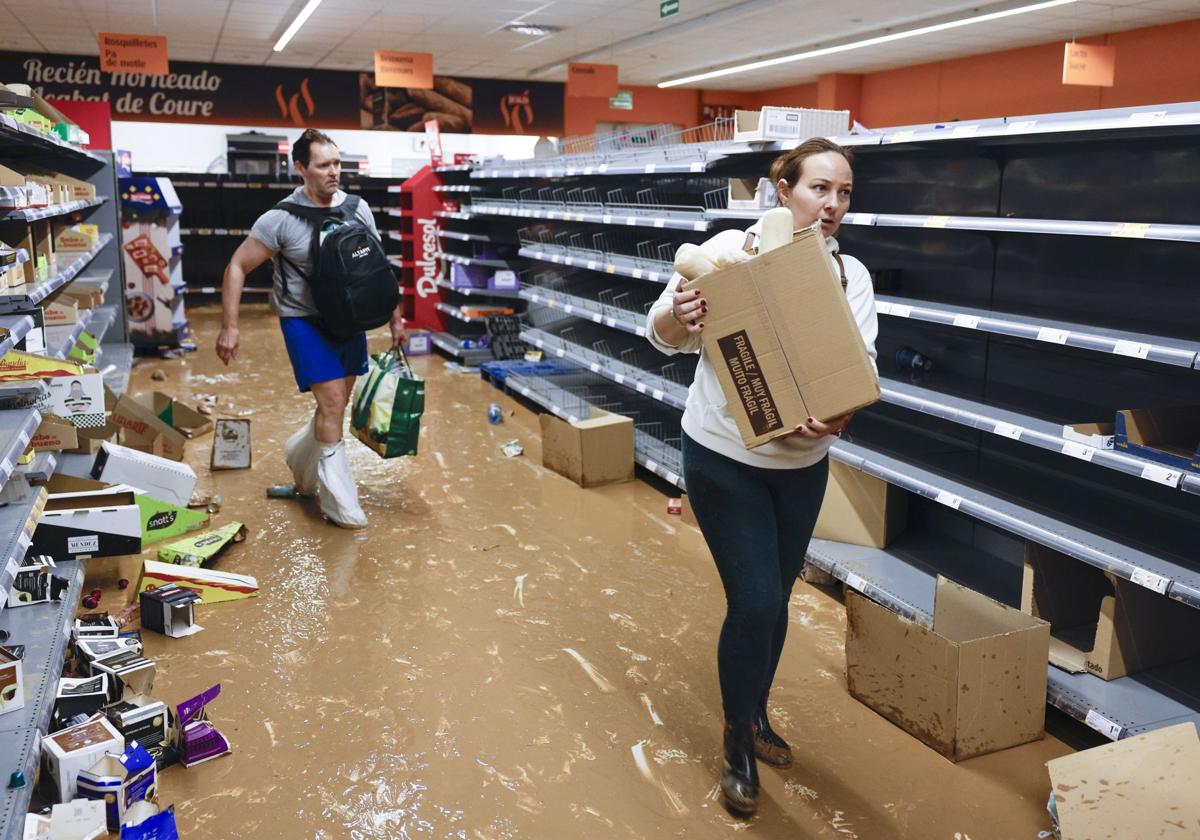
(757, 507)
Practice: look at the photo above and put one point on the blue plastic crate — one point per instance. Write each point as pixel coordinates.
(497, 371)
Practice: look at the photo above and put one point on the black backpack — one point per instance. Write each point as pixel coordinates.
(352, 283)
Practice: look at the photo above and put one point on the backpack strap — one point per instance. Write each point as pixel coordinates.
(316, 216)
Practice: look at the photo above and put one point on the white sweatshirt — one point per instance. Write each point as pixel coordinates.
(706, 418)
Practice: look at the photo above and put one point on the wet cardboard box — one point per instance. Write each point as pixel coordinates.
(860, 509)
(163, 479)
(1134, 788)
(973, 683)
(783, 341)
(591, 452)
(1101, 623)
(75, 526)
(65, 754)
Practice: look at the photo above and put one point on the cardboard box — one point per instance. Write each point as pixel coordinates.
(783, 342)
(164, 520)
(119, 782)
(1095, 435)
(1169, 436)
(202, 549)
(80, 696)
(54, 434)
(142, 721)
(163, 479)
(16, 365)
(860, 509)
(775, 123)
(182, 418)
(100, 523)
(77, 399)
(89, 650)
(212, 585)
(87, 295)
(17, 197)
(76, 239)
(79, 819)
(12, 683)
(95, 626)
(130, 674)
(169, 610)
(504, 280)
(751, 194)
(61, 312)
(590, 452)
(72, 750)
(1135, 788)
(1102, 623)
(972, 684)
(43, 248)
(418, 343)
(20, 238)
(146, 431)
(35, 582)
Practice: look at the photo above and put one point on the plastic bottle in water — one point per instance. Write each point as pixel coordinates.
(494, 414)
(909, 359)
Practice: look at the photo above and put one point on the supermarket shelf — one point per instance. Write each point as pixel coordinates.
(18, 137)
(628, 215)
(31, 295)
(1115, 708)
(60, 340)
(399, 262)
(17, 327)
(470, 292)
(214, 231)
(993, 224)
(16, 428)
(655, 162)
(454, 214)
(472, 260)
(456, 167)
(1190, 484)
(1028, 430)
(41, 468)
(463, 237)
(455, 312)
(666, 392)
(43, 629)
(608, 264)
(216, 290)
(1156, 573)
(103, 317)
(455, 188)
(116, 366)
(33, 214)
(1168, 351)
(400, 237)
(447, 343)
(751, 213)
(395, 188)
(591, 310)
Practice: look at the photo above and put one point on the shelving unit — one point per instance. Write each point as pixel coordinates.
(995, 259)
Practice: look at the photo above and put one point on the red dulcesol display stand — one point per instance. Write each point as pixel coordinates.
(419, 264)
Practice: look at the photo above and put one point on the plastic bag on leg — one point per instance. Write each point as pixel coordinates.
(336, 489)
(303, 452)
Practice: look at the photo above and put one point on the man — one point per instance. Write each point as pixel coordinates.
(322, 364)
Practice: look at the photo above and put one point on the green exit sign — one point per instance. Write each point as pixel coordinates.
(666, 8)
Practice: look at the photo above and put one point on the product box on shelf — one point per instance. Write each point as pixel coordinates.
(100, 523)
(65, 754)
(504, 280)
(783, 341)
(469, 276)
(1101, 623)
(76, 238)
(87, 295)
(1143, 786)
(1169, 436)
(751, 194)
(973, 683)
(15, 196)
(591, 452)
(19, 238)
(119, 781)
(860, 509)
(61, 311)
(775, 123)
(16, 365)
(43, 249)
(12, 682)
(1095, 435)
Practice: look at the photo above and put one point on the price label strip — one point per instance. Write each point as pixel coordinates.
(1103, 725)
(1151, 580)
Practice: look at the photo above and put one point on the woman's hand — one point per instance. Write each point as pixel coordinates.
(814, 429)
(687, 308)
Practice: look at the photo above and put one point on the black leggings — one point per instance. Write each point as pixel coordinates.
(757, 523)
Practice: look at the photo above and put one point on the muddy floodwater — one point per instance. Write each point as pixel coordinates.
(502, 654)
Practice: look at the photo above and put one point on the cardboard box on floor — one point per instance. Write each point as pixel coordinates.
(783, 342)
(590, 452)
(860, 509)
(1132, 789)
(1102, 623)
(1170, 436)
(144, 430)
(972, 684)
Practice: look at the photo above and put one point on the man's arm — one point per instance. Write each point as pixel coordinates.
(249, 256)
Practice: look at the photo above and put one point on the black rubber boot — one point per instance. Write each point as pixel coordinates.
(768, 746)
(739, 777)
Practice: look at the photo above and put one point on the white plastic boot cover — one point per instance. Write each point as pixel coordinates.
(336, 488)
(302, 452)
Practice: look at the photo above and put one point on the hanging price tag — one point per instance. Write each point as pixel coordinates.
(901, 310)
(1008, 430)
(1163, 475)
(1151, 580)
(970, 322)
(1132, 348)
(937, 221)
(855, 582)
(949, 499)
(1078, 450)
(1103, 725)
(1053, 336)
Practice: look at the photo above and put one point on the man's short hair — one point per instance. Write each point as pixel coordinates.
(302, 148)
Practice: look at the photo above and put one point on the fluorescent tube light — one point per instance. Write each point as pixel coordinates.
(867, 42)
(305, 14)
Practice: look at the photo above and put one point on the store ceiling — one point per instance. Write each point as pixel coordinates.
(467, 36)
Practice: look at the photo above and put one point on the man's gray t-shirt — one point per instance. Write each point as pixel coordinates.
(291, 236)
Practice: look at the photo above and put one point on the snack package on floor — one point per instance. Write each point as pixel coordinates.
(388, 403)
(199, 549)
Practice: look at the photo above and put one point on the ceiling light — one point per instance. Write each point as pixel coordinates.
(305, 14)
(866, 42)
(533, 30)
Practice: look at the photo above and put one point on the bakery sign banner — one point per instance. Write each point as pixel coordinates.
(235, 94)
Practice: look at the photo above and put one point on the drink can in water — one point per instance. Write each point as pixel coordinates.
(494, 414)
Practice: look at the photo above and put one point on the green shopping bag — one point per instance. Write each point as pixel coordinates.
(388, 403)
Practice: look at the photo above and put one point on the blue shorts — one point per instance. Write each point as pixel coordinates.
(317, 357)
